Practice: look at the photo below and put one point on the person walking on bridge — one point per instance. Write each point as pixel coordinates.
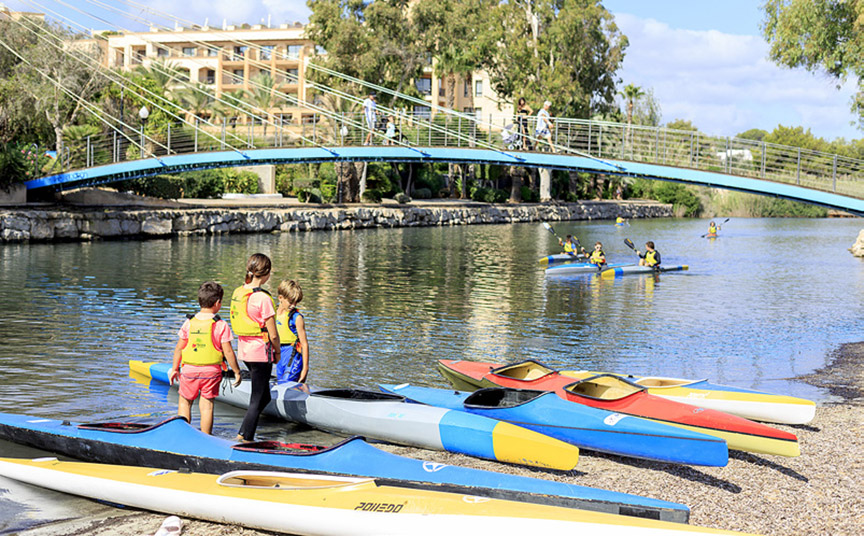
(544, 125)
(370, 113)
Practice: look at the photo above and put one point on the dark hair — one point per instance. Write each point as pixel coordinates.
(521, 101)
(650, 244)
(209, 293)
(258, 265)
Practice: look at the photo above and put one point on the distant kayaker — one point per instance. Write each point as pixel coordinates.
(712, 230)
(294, 365)
(651, 257)
(597, 256)
(620, 221)
(253, 319)
(203, 341)
(571, 246)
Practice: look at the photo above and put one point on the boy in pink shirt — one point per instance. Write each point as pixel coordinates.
(203, 342)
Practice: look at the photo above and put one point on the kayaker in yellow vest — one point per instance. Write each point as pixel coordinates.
(712, 230)
(651, 257)
(597, 256)
(203, 341)
(253, 319)
(571, 246)
(619, 221)
(294, 364)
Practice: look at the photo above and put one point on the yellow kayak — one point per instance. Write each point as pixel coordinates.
(750, 404)
(311, 504)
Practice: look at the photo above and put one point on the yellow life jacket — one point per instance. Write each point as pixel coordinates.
(597, 257)
(283, 327)
(241, 323)
(569, 247)
(712, 229)
(650, 259)
(199, 348)
(619, 219)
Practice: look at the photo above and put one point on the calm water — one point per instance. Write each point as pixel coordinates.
(767, 301)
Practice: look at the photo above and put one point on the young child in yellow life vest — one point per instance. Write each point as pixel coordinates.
(203, 341)
(651, 257)
(597, 256)
(294, 365)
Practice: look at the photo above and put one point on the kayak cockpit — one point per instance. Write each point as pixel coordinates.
(660, 382)
(526, 371)
(501, 397)
(287, 481)
(359, 394)
(124, 427)
(604, 387)
(291, 449)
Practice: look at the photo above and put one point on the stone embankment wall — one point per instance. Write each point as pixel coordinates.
(18, 225)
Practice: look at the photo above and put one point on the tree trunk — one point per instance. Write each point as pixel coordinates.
(545, 185)
(362, 180)
(573, 184)
(516, 184)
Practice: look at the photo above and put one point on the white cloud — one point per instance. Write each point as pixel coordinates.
(725, 84)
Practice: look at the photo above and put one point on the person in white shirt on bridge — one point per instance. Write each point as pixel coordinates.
(370, 113)
(544, 125)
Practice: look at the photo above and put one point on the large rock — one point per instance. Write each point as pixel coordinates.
(857, 248)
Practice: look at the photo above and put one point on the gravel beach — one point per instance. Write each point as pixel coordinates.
(819, 493)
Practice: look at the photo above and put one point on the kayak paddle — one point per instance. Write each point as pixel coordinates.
(551, 230)
(718, 227)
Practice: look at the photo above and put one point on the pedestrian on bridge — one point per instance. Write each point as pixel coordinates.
(544, 125)
(370, 112)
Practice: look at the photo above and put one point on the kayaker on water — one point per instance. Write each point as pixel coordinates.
(294, 365)
(571, 246)
(597, 256)
(620, 221)
(203, 341)
(253, 319)
(651, 257)
(712, 230)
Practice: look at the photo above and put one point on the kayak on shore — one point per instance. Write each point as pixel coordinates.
(587, 427)
(387, 417)
(320, 505)
(614, 393)
(175, 444)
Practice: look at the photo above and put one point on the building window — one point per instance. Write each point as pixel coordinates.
(293, 75)
(163, 52)
(212, 51)
(478, 88)
(267, 52)
(284, 119)
(211, 77)
(442, 90)
(239, 53)
(293, 52)
(422, 111)
(238, 76)
(466, 88)
(424, 85)
(476, 112)
(190, 51)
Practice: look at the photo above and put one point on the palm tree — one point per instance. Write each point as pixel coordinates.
(230, 104)
(631, 94)
(163, 73)
(261, 95)
(195, 99)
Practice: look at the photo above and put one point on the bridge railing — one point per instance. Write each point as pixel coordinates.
(605, 140)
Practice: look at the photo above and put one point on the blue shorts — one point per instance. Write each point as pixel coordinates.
(290, 365)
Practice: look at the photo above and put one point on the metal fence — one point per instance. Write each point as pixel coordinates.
(604, 140)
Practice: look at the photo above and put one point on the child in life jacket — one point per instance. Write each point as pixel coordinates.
(294, 365)
(571, 246)
(597, 256)
(203, 341)
(651, 257)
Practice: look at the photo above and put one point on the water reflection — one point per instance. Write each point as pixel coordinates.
(764, 302)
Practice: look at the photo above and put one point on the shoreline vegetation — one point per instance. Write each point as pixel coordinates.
(820, 492)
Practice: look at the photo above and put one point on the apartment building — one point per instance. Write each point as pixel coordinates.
(228, 59)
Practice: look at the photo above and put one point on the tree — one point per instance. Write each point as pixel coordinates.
(820, 36)
(163, 74)
(196, 99)
(262, 96)
(631, 94)
(755, 134)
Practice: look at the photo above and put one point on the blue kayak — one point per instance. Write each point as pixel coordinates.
(587, 427)
(581, 268)
(175, 444)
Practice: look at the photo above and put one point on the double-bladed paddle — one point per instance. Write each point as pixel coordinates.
(718, 227)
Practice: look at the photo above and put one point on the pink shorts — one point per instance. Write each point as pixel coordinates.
(200, 379)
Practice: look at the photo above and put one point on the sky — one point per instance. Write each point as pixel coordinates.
(705, 60)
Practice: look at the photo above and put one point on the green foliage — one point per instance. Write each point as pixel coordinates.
(679, 195)
(208, 183)
(402, 199)
(371, 196)
(429, 179)
(681, 124)
(13, 164)
(529, 195)
(742, 205)
(422, 193)
(755, 134)
(489, 195)
(240, 182)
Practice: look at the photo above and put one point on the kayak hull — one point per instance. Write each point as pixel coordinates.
(389, 418)
(739, 433)
(619, 271)
(579, 268)
(558, 258)
(747, 403)
(174, 444)
(587, 427)
(318, 506)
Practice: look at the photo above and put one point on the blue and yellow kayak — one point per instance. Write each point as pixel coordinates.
(587, 427)
(559, 258)
(174, 443)
(617, 271)
(322, 505)
(581, 268)
(386, 417)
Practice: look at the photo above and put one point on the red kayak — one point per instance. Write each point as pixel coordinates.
(616, 394)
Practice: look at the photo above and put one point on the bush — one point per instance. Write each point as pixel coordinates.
(529, 195)
(402, 199)
(240, 182)
(422, 193)
(371, 196)
(309, 195)
(678, 195)
(13, 165)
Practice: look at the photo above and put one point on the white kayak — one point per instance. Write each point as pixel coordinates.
(618, 271)
(323, 505)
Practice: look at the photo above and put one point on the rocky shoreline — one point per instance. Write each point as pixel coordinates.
(82, 224)
(819, 493)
